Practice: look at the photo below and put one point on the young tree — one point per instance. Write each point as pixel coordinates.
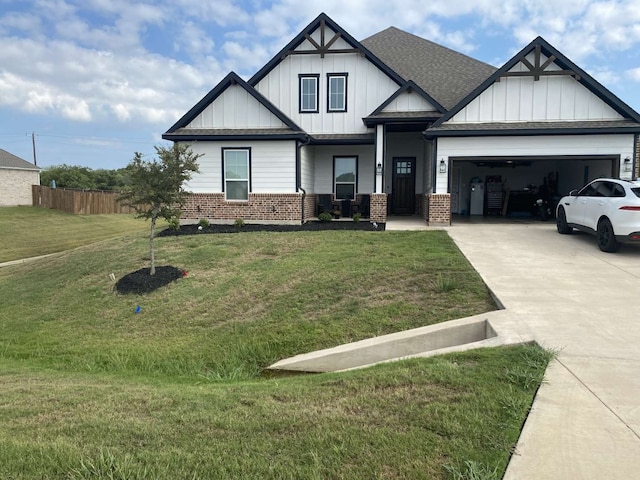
(156, 189)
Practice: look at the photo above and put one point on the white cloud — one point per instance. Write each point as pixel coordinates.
(99, 59)
(633, 74)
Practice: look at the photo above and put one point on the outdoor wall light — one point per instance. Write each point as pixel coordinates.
(379, 167)
(443, 166)
(627, 165)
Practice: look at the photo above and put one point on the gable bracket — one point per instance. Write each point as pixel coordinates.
(537, 70)
(323, 47)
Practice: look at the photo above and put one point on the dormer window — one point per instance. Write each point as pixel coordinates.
(336, 92)
(308, 93)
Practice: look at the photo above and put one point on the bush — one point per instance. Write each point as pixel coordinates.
(203, 222)
(174, 223)
(239, 223)
(324, 217)
(357, 217)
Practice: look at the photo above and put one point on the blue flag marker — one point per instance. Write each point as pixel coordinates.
(138, 309)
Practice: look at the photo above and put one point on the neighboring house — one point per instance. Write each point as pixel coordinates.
(395, 125)
(16, 178)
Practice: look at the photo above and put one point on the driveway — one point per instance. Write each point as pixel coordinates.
(569, 296)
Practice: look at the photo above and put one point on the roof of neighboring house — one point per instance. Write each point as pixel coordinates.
(9, 160)
(448, 76)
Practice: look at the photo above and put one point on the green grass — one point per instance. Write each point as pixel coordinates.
(89, 389)
(30, 231)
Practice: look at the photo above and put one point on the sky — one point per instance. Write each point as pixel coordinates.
(94, 81)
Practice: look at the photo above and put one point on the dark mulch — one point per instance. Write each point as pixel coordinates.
(140, 281)
(250, 227)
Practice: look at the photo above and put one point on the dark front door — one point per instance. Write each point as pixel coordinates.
(404, 186)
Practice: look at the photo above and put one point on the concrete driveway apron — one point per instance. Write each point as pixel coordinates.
(565, 293)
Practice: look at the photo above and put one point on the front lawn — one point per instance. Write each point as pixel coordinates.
(31, 231)
(92, 389)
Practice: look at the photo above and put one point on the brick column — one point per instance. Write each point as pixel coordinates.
(439, 209)
(637, 172)
(378, 208)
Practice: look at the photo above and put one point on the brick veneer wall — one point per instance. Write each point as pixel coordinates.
(637, 158)
(424, 207)
(439, 209)
(378, 207)
(310, 204)
(16, 186)
(261, 208)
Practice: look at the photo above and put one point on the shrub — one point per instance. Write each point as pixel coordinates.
(357, 217)
(174, 223)
(203, 222)
(239, 223)
(324, 217)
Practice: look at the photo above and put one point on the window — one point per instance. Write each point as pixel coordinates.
(308, 93)
(336, 92)
(236, 168)
(345, 177)
(403, 167)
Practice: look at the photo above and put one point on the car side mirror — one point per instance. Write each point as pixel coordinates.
(573, 193)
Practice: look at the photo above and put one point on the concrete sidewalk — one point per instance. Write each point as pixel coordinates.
(565, 293)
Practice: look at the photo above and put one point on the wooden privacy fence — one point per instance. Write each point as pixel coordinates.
(91, 202)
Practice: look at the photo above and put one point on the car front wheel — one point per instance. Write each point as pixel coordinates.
(606, 237)
(561, 222)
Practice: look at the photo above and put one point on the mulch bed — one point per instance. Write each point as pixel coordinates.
(140, 281)
(251, 227)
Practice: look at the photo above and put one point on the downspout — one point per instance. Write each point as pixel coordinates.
(299, 172)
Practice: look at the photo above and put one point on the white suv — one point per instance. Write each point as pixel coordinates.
(606, 207)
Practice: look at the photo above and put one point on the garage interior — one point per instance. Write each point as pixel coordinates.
(511, 186)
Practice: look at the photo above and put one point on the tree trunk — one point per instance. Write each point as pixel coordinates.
(152, 254)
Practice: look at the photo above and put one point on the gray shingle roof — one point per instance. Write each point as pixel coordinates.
(411, 114)
(233, 131)
(9, 160)
(531, 127)
(448, 76)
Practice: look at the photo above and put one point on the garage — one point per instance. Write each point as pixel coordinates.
(510, 186)
(537, 128)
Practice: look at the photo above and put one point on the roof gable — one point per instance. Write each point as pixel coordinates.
(232, 89)
(323, 36)
(9, 160)
(541, 62)
(401, 101)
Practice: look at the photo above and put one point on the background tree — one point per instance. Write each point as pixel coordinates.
(156, 189)
(83, 178)
(68, 176)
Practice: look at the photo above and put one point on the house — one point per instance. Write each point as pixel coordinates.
(16, 178)
(398, 125)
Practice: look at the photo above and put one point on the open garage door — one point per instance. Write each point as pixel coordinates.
(509, 186)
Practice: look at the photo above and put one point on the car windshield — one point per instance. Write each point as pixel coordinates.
(636, 190)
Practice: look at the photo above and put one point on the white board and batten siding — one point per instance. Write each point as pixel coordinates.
(307, 171)
(523, 99)
(409, 102)
(273, 166)
(236, 108)
(367, 88)
(531, 146)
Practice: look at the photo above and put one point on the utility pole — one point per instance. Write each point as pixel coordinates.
(33, 141)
